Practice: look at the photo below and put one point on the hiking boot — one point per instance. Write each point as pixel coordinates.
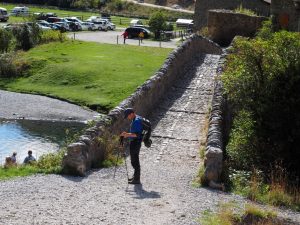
(133, 181)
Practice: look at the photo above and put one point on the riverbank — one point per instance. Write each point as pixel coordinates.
(35, 107)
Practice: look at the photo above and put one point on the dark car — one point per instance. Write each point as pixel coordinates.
(133, 32)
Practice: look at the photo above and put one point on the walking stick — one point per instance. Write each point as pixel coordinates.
(116, 164)
(121, 145)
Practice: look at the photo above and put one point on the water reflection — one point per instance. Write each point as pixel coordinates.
(39, 136)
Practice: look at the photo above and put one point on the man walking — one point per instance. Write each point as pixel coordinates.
(135, 136)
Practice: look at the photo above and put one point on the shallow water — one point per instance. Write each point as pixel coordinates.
(39, 136)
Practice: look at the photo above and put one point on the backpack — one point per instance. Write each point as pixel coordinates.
(147, 129)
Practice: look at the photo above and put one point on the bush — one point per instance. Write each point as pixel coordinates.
(27, 36)
(51, 36)
(51, 163)
(5, 40)
(262, 81)
(7, 66)
(157, 23)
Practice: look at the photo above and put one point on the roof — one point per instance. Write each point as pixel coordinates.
(134, 20)
(2, 8)
(268, 1)
(184, 21)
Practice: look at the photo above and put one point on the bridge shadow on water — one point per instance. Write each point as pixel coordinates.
(138, 192)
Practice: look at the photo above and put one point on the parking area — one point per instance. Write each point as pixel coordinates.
(114, 37)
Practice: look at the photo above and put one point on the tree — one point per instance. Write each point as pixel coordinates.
(157, 23)
(5, 39)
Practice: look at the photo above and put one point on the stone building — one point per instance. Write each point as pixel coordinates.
(261, 7)
(286, 14)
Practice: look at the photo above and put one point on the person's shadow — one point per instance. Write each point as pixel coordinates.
(140, 193)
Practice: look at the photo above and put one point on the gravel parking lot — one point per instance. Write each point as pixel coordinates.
(114, 37)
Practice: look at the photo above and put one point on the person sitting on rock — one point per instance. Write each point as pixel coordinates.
(13, 158)
(29, 159)
(8, 163)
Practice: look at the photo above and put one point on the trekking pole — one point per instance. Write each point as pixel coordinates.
(116, 164)
(120, 145)
(126, 165)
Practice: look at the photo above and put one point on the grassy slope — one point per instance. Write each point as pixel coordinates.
(90, 74)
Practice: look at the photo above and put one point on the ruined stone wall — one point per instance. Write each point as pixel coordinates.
(286, 15)
(224, 25)
(203, 6)
(88, 152)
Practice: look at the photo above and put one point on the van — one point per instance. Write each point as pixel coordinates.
(133, 32)
(3, 15)
(20, 11)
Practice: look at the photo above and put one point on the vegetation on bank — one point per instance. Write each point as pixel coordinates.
(232, 214)
(262, 82)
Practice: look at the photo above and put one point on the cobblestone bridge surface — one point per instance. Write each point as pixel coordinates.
(166, 196)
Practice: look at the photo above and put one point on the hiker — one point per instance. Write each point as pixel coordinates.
(29, 159)
(8, 163)
(13, 158)
(135, 136)
(125, 35)
(141, 36)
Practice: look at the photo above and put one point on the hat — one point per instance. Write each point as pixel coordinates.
(127, 112)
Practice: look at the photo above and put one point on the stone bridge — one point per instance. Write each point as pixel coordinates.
(166, 195)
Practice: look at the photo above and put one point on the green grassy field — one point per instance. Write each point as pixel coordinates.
(96, 75)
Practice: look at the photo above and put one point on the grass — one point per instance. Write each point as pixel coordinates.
(277, 193)
(231, 214)
(96, 75)
(21, 171)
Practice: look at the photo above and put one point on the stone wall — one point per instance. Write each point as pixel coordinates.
(217, 129)
(88, 152)
(286, 14)
(224, 25)
(202, 7)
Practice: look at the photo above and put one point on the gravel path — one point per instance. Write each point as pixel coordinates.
(166, 196)
(35, 107)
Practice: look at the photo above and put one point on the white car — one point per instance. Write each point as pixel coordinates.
(109, 25)
(20, 11)
(88, 26)
(3, 15)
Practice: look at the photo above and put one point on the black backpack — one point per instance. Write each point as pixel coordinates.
(147, 129)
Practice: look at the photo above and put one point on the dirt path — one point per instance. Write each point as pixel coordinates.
(166, 196)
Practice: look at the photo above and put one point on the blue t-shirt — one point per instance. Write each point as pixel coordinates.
(136, 127)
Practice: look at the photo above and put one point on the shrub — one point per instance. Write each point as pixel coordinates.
(51, 162)
(157, 23)
(51, 36)
(7, 66)
(262, 79)
(242, 10)
(5, 40)
(111, 147)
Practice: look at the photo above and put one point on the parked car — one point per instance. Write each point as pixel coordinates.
(133, 32)
(101, 25)
(88, 26)
(94, 18)
(109, 25)
(20, 11)
(52, 19)
(43, 16)
(135, 22)
(3, 15)
(64, 25)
